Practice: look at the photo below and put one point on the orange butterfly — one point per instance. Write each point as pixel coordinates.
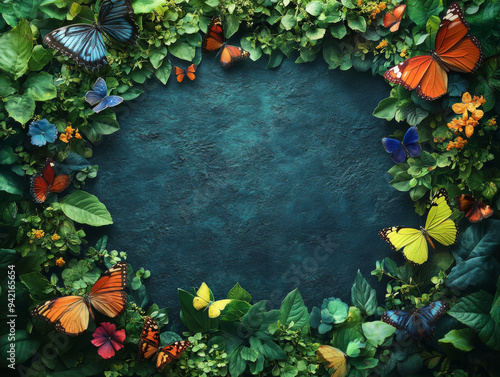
(70, 314)
(215, 40)
(43, 185)
(189, 72)
(455, 50)
(336, 358)
(393, 20)
(149, 345)
(474, 210)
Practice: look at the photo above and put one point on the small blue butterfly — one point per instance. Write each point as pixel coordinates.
(99, 96)
(418, 323)
(84, 43)
(399, 150)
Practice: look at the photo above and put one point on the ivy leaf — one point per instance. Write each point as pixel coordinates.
(294, 310)
(85, 208)
(15, 49)
(473, 311)
(462, 339)
(363, 296)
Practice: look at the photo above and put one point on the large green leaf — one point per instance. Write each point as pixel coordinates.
(420, 10)
(7, 86)
(231, 25)
(182, 50)
(363, 296)
(474, 311)
(36, 284)
(12, 11)
(7, 257)
(15, 49)
(254, 318)
(105, 124)
(294, 310)
(147, 6)
(40, 86)
(462, 339)
(377, 332)
(20, 108)
(85, 208)
(40, 57)
(25, 346)
(477, 266)
(386, 109)
(11, 183)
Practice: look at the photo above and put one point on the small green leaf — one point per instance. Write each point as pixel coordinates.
(462, 339)
(147, 6)
(363, 296)
(314, 8)
(377, 332)
(294, 310)
(40, 86)
(20, 108)
(238, 293)
(386, 109)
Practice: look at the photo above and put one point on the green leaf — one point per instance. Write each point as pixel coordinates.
(11, 183)
(182, 50)
(363, 296)
(195, 320)
(420, 10)
(237, 364)
(15, 49)
(377, 332)
(7, 86)
(40, 86)
(105, 124)
(315, 33)
(255, 52)
(235, 310)
(401, 181)
(477, 267)
(163, 72)
(357, 24)
(147, 6)
(231, 24)
(8, 156)
(255, 317)
(294, 310)
(238, 293)
(339, 310)
(85, 208)
(386, 109)
(289, 21)
(156, 55)
(272, 351)
(40, 57)
(338, 30)
(25, 346)
(36, 284)
(7, 257)
(473, 311)
(20, 108)
(314, 8)
(462, 339)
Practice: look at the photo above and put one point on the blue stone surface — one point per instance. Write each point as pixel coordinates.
(272, 178)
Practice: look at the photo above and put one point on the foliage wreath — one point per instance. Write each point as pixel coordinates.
(45, 88)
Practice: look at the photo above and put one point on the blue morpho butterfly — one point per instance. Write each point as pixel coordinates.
(84, 43)
(418, 324)
(99, 96)
(399, 150)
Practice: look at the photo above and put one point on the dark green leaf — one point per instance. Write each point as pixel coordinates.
(25, 346)
(7, 86)
(238, 293)
(40, 57)
(294, 310)
(105, 124)
(15, 49)
(420, 10)
(231, 25)
(195, 320)
(363, 296)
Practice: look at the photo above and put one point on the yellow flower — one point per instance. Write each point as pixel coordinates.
(403, 53)
(382, 44)
(492, 122)
(478, 101)
(77, 134)
(64, 138)
(469, 130)
(39, 233)
(465, 105)
(382, 6)
(477, 114)
(60, 262)
(55, 237)
(69, 130)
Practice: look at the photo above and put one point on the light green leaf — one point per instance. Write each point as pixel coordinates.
(314, 8)
(163, 72)
(40, 86)
(15, 49)
(386, 109)
(357, 24)
(105, 124)
(182, 50)
(289, 21)
(147, 6)
(377, 332)
(315, 33)
(231, 25)
(85, 208)
(238, 293)
(20, 108)
(462, 339)
(40, 57)
(363, 296)
(294, 310)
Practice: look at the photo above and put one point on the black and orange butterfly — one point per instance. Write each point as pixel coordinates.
(189, 72)
(474, 210)
(454, 50)
(149, 345)
(70, 314)
(42, 185)
(216, 40)
(392, 20)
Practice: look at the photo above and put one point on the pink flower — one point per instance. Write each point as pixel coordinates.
(108, 339)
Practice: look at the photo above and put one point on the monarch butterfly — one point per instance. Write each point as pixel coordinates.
(189, 72)
(336, 358)
(42, 185)
(392, 20)
(419, 323)
(203, 300)
(438, 226)
(70, 314)
(399, 150)
(99, 96)
(454, 50)
(84, 43)
(216, 40)
(149, 345)
(474, 210)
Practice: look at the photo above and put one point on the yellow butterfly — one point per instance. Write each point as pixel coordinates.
(336, 358)
(437, 226)
(202, 300)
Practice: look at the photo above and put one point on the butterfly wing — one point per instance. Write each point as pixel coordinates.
(190, 71)
(43, 185)
(459, 52)
(116, 18)
(393, 20)
(149, 339)
(216, 307)
(232, 54)
(109, 101)
(395, 148)
(81, 42)
(474, 210)
(412, 240)
(214, 39)
(410, 142)
(70, 314)
(39, 189)
(107, 295)
(439, 227)
(171, 352)
(179, 73)
(335, 358)
(202, 299)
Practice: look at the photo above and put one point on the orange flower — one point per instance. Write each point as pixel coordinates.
(403, 53)
(382, 6)
(478, 101)
(39, 233)
(69, 130)
(64, 138)
(477, 114)
(465, 105)
(459, 143)
(382, 44)
(55, 237)
(469, 130)
(77, 134)
(60, 262)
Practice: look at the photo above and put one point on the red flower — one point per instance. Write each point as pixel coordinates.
(108, 339)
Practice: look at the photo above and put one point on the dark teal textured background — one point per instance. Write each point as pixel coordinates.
(272, 178)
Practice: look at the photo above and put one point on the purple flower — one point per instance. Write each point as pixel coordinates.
(108, 339)
(42, 132)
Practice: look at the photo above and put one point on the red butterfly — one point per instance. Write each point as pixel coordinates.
(189, 72)
(43, 185)
(392, 20)
(149, 345)
(474, 210)
(215, 40)
(455, 50)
